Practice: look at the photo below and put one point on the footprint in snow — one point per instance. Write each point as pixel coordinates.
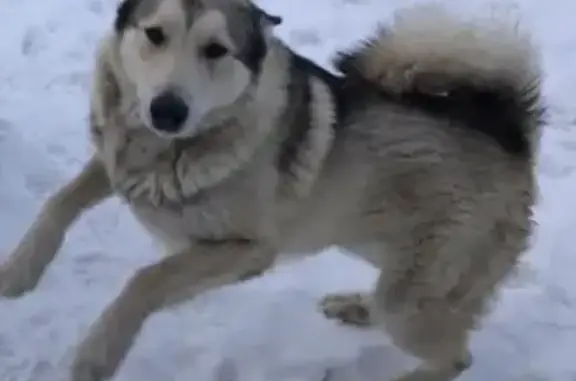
(550, 167)
(524, 276)
(56, 149)
(5, 345)
(33, 42)
(43, 370)
(5, 127)
(226, 370)
(96, 7)
(569, 145)
(305, 37)
(42, 183)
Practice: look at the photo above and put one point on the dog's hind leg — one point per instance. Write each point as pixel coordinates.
(432, 300)
(174, 279)
(437, 336)
(40, 244)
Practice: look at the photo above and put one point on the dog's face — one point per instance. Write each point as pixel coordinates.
(188, 59)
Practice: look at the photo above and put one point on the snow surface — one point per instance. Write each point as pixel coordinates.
(267, 329)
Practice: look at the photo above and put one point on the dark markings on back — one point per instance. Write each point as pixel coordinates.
(334, 83)
(498, 110)
(297, 116)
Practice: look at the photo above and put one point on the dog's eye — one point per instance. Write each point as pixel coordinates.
(156, 35)
(214, 51)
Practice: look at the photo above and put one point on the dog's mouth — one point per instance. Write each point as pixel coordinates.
(212, 137)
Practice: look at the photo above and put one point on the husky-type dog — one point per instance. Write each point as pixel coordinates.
(230, 149)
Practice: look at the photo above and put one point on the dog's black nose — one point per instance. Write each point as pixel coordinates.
(168, 112)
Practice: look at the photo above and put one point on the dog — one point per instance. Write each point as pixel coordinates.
(231, 149)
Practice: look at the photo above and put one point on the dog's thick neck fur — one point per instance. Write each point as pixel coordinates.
(229, 141)
(290, 99)
(232, 136)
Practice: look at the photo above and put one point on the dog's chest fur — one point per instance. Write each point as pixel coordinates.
(242, 178)
(180, 199)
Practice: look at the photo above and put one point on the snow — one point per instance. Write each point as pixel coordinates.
(269, 328)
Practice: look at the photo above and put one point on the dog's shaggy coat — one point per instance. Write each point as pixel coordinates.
(419, 159)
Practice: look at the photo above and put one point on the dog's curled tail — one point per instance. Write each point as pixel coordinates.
(484, 74)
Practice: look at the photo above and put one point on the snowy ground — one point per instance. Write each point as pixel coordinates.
(268, 329)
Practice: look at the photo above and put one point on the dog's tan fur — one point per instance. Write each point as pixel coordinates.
(444, 212)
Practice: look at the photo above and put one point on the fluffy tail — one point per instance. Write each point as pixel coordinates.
(484, 74)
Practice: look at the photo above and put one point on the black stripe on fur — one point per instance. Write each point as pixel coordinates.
(124, 15)
(499, 111)
(334, 83)
(507, 114)
(297, 116)
(254, 48)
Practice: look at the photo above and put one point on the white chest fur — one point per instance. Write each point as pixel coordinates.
(173, 203)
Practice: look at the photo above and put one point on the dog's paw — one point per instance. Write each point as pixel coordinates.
(14, 282)
(97, 358)
(352, 308)
(87, 370)
(100, 354)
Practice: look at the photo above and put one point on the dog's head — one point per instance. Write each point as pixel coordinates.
(188, 59)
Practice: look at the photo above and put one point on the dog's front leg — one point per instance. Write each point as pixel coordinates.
(44, 238)
(176, 278)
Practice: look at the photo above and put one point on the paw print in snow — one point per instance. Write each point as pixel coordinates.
(42, 370)
(552, 168)
(305, 37)
(41, 183)
(4, 128)
(33, 41)
(569, 145)
(226, 370)
(56, 149)
(96, 7)
(5, 345)
(71, 79)
(524, 275)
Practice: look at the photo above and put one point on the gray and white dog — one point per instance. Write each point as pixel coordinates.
(230, 149)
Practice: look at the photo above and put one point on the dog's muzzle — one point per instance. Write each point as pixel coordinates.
(168, 112)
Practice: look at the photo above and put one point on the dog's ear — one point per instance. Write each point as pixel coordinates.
(124, 14)
(266, 19)
(272, 20)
